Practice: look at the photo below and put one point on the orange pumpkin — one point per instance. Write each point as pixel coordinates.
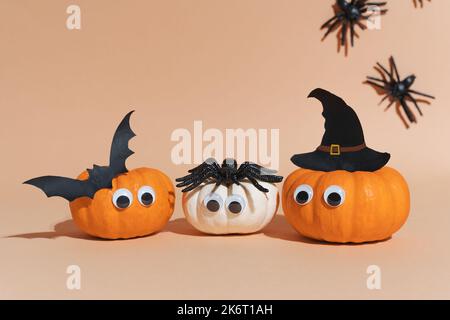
(151, 198)
(341, 206)
(111, 201)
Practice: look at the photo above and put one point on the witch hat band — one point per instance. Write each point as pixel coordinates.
(343, 146)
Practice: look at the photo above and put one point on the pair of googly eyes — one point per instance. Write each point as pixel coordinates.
(334, 196)
(123, 198)
(234, 203)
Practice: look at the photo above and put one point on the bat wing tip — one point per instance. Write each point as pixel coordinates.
(32, 182)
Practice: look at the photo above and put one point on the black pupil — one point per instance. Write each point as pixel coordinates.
(213, 205)
(123, 202)
(147, 198)
(302, 197)
(334, 199)
(235, 207)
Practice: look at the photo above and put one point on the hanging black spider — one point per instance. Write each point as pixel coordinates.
(397, 90)
(349, 13)
(227, 174)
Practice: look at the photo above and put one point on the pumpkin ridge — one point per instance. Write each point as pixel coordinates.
(376, 205)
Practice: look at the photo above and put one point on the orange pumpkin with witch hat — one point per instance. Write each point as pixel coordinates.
(343, 192)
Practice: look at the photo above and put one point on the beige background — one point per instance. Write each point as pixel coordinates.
(63, 93)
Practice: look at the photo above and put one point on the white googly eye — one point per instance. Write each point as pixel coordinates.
(334, 196)
(146, 195)
(303, 194)
(122, 198)
(213, 202)
(235, 204)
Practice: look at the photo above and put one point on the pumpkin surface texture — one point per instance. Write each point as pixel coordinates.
(341, 206)
(146, 206)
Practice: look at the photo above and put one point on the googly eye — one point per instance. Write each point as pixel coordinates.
(213, 202)
(235, 204)
(146, 195)
(334, 196)
(122, 198)
(303, 194)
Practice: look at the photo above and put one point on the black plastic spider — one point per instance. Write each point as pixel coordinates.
(348, 14)
(397, 89)
(227, 174)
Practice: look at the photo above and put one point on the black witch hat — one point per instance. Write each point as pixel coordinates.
(343, 146)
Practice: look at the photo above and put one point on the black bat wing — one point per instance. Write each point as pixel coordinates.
(100, 177)
(67, 188)
(119, 147)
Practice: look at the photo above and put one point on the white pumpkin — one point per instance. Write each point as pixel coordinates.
(233, 209)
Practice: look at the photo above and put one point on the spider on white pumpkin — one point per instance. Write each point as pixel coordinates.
(227, 199)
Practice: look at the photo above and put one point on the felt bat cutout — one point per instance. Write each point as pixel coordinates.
(100, 177)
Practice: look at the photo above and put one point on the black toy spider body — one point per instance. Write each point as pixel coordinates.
(348, 15)
(227, 174)
(397, 89)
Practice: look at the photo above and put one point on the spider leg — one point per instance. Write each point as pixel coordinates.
(376, 85)
(195, 183)
(377, 79)
(206, 164)
(192, 178)
(344, 32)
(248, 167)
(199, 167)
(394, 66)
(389, 105)
(408, 112)
(186, 178)
(415, 103)
(331, 28)
(266, 178)
(382, 100)
(352, 33)
(243, 166)
(219, 181)
(421, 94)
(241, 173)
(253, 172)
(255, 168)
(391, 77)
(259, 171)
(327, 23)
(271, 178)
(194, 175)
(257, 185)
(361, 25)
(192, 186)
(235, 180)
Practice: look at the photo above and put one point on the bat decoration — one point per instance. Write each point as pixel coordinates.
(397, 89)
(348, 15)
(227, 174)
(100, 177)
